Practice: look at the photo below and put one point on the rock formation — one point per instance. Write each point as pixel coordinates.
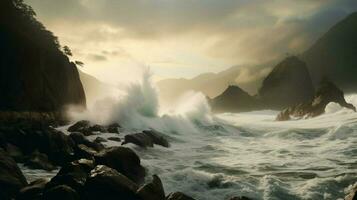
(35, 75)
(288, 84)
(326, 93)
(234, 99)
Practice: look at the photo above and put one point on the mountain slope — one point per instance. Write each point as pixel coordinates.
(287, 84)
(334, 55)
(35, 75)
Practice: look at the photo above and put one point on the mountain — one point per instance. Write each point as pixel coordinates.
(234, 99)
(334, 55)
(35, 75)
(287, 84)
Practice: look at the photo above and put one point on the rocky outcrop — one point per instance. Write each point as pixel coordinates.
(153, 190)
(35, 75)
(288, 84)
(326, 93)
(11, 177)
(147, 138)
(124, 160)
(234, 99)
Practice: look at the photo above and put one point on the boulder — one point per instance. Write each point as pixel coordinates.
(74, 175)
(327, 92)
(116, 139)
(61, 192)
(178, 196)
(98, 128)
(14, 152)
(79, 138)
(33, 191)
(157, 138)
(153, 190)
(11, 177)
(113, 128)
(124, 160)
(105, 182)
(140, 139)
(39, 160)
(79, 126)
(146, 139)
(100, 140)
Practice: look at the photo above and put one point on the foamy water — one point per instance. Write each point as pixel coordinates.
(219, 156)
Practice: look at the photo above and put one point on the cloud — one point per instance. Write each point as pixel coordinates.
(196, 32)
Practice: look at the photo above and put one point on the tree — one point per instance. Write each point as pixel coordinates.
(67, 51)
(80, 63)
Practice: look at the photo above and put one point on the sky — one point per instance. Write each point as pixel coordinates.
(183, 38)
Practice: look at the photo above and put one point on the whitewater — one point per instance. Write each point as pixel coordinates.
(217, 156)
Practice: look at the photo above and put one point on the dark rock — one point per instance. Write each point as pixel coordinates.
(61, 192)
(100, 140)
(110, 184)
(147, 139)
(240, 198)
(14, 152)
(288, 84)
(140, 139)
(326, 93)
(74, 175)
(39, 160)
(116, 139)
(33, 191)
(79, 138)
(11, 177)
(35, 74)
(83, 151)
(124, 160)
(79, 126)
(178, 196)
(113, 128)
(234, 99)
(98, 128)
(153, 190)
(157, 138)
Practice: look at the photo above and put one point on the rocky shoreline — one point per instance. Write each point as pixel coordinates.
(88, 170)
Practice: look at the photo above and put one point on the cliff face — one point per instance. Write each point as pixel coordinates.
(34, 74)
(289, 83)
(334, 55)
(234, 99)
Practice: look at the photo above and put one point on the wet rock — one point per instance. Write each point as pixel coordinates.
(352, 195)
(39, 160)
(124, 160)
(157, 137)
(14, 152)
(73, 175)
(98, 128)
(178, 196)
(116, 139)
(79, 126)
(33, 191)
(100, 140)
(146, 139)
(11, 177)
(61, 192)
(328, 92)
(83, 151)
(113, 128)
(79, 138)
(153, 190)
(140, 139)
(109, 183)
(240, 198)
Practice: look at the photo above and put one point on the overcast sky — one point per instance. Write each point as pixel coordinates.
(182, 38)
